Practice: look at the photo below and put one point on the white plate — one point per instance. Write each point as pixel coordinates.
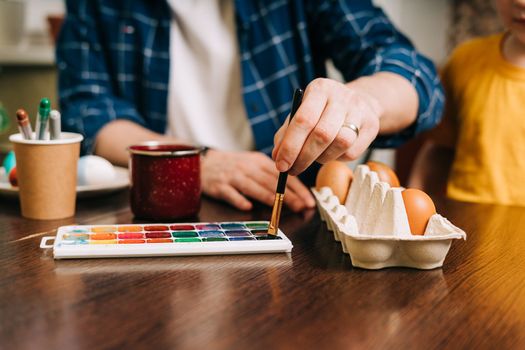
(121, 181)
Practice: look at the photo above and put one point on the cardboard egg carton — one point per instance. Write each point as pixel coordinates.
(373, 226)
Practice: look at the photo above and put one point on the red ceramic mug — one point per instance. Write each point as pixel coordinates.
(165, 180)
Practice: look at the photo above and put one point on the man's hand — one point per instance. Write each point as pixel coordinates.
(236, 176)
(320, 129)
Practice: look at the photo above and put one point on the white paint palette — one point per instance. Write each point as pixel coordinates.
(143, 240)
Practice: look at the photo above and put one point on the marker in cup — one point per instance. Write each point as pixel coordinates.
(42, 119)
(54, 124)
(24, 125)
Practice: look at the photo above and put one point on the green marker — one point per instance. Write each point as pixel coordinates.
(41, 119)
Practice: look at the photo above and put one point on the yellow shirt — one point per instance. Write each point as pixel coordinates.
(485, 121)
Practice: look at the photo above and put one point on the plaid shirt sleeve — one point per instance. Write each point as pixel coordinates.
(360, 40)
(86, 93)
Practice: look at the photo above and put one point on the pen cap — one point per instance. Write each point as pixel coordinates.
(54, 114)
(42, 118)
(54, 124)
(21, 115)
(44, 107)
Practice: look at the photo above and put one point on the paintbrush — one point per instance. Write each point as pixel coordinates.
(273, 228)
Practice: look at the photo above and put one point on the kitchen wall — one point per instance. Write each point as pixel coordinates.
(425, 22)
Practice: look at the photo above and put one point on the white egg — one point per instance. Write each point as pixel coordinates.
(94, 170)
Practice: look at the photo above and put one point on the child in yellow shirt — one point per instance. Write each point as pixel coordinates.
(480, 144)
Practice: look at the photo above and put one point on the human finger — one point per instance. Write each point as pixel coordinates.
(269, 175)
(321, 137)
(367, 133)
(293, 201)
(266, 173)
(297, 195)
(278, 137)
(303, 193)
(229, 194)
(253, 189)
(346, 137)
(303, 122)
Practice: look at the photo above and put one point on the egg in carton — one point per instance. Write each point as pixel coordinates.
(377, 227)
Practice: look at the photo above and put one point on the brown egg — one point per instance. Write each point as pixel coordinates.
(336, 175)
(384, 173)
(419, 207)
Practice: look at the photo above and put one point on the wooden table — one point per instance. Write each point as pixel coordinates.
(311, 299)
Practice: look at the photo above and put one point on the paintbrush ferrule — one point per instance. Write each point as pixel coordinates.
(273, 228)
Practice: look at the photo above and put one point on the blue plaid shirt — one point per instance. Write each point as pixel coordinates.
(113, 60)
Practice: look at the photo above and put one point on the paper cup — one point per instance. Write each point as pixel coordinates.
(47, 175)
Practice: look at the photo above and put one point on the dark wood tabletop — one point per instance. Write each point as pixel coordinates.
(310, 299)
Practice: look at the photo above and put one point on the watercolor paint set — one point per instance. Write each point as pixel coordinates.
(142, 240)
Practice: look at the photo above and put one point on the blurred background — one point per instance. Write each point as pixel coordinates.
(27, 65)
